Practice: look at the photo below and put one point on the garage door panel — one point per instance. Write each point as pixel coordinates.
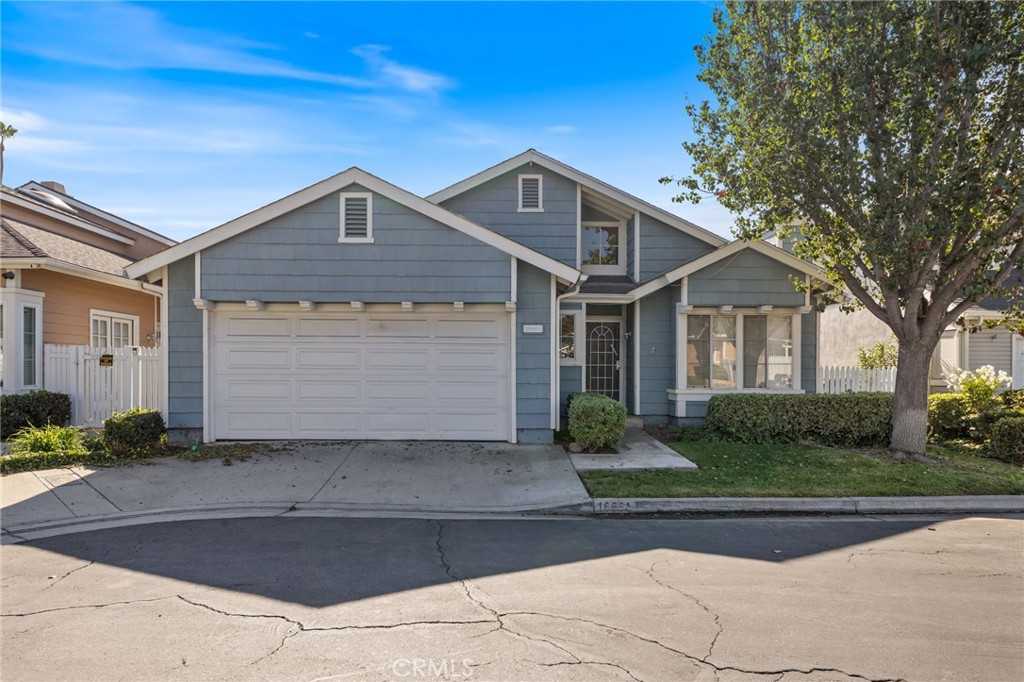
(364, 375)
(336, 328)
(326, 359)
(255, 358)
(258, 326)
(242, 389)
(308, 390)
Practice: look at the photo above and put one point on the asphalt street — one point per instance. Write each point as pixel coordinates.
(295, 598)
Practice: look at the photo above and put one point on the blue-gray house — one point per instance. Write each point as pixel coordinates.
(354, 309)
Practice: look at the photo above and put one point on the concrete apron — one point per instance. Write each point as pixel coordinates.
(312, 478)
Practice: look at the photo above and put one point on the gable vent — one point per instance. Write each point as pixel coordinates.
(357, 211)
(530, 193)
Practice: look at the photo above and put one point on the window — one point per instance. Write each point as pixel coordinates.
(356, 218)
(762, 352)
(110, 330)
(570, 335)
(711, 351)
(767, 351)
(29, 346)
(531, 193)
(601, 247)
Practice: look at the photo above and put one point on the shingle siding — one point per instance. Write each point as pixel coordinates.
(664, 248)
(412, 258)
(184, 349)
(533, 356)
(809, 352)
(658, 351)
(495, 204)
(745, 279)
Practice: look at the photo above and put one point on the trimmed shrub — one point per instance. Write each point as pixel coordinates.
(986, 421)
(1013, 399)
(1007, 439)
(596, 421)
(133, 433)
(35, 408)
(949, 417)
(844, 419)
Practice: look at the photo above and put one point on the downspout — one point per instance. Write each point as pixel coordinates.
(571, 291)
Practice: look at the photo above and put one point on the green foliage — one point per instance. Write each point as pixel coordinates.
(985, 423)
(879, 356)
(35, 408)
(949, 417)
(1013, 399)
(47, 447)
(596, 421)
(1007, 440)
(889, 133)
(857, 419)
(133, 433)
(979, 387)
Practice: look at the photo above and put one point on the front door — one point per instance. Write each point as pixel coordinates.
(604, 358)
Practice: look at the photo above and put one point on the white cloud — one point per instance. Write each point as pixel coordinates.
(408, 78)
(24, 121)
(561, 129)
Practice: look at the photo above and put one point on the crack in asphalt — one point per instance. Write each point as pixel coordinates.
(73, 570)
(695, 600)
(873, 551)
(84, 606)
(610, 665)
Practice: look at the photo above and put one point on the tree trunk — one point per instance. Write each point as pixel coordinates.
(910, 402)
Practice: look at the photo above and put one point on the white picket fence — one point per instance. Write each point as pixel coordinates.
(847, 379)
(133, 379)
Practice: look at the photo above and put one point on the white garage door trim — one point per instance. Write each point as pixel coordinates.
(333, 373)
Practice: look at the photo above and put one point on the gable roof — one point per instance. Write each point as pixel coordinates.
(336, 183)
(36, 187)
(21, 241)
(697, 264)
(587, 181)
(34, 203)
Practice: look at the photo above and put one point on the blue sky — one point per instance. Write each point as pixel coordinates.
(181, 116)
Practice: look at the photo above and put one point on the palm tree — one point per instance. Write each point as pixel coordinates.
(6, 131)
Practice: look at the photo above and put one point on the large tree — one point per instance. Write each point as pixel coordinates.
(891, 133)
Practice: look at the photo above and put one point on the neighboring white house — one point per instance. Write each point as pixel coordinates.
(969, 345)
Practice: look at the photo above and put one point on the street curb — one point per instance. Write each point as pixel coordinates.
(941, 504)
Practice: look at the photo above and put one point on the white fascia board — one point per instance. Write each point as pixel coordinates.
(39, 207)
(99, 211)
(75, 271)
(686, 269)
(337, 183)
(590, 182)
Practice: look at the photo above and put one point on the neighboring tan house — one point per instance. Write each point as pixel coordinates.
(356, 309)
(977, 341)
(64, 282)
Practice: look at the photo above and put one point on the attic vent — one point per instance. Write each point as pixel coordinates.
(531, 193)
(357, 218)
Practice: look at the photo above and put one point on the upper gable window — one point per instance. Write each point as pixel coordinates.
(531, 193)
(356, 217)
(602, 248)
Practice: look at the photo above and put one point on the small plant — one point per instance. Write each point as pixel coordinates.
(596, 421)
(63, 440)
(1013, 399)
(879, 356)
(133, 433)
(979, 387)
(1007, 440)
(35, 408)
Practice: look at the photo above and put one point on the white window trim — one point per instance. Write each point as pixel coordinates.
(540, 193)
(682, 393)
(578, 331)
(95, 313)
(20, 368)
(619, 269)
(368, 239)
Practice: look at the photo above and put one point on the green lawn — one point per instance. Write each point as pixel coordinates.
(738, 470)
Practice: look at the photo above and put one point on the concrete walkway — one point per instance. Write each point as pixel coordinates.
(638, 450)
(430, 477)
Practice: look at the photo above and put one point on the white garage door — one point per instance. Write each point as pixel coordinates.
(376, 375)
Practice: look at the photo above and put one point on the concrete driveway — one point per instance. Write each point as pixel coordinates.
(345, 476)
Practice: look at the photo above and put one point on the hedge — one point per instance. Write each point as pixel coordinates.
(843, 419)
(1007, 440)
(949, 417)
(133, 433)
(596, 421)
(35, 408)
